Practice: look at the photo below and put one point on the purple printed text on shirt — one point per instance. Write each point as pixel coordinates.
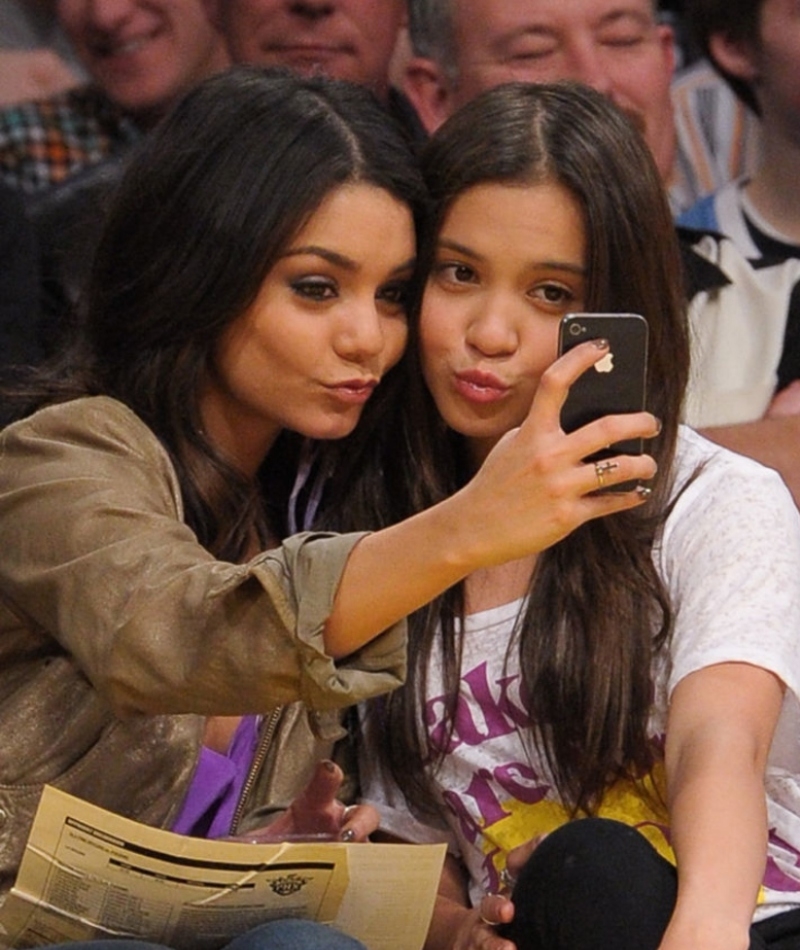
(500, 714)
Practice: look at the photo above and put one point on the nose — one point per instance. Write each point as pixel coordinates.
(588, 65)
(361, 335)
(312, 9)
(492, 330)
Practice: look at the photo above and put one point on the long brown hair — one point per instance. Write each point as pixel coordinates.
(597, 608)
(203, 211)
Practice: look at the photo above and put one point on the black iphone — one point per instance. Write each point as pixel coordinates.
(615, 384)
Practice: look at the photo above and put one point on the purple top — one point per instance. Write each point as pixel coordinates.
(216, 788)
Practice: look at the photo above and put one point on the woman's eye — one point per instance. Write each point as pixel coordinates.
(457, 273)
(554, 294)
(314, 288)
(396, 294)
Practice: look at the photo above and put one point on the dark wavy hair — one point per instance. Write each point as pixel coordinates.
(597, 607)
(202, 213)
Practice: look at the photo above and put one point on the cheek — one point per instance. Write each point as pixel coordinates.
(540, 347)
(431, 345)
(428, 347)
(396, 339)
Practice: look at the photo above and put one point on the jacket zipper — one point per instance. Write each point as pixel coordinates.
(258, 760)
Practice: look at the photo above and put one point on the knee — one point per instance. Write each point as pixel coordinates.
(292, 934)
(587, 845)
(591, 856)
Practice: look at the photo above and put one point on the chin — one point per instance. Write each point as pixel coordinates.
(330, 432)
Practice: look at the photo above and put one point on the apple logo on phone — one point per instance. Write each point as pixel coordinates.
(606, 364)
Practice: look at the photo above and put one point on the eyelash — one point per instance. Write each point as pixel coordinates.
(564, 293)
(396, 294)
(316, 290)
(449, 271)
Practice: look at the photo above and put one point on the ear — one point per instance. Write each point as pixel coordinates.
(666, 40)
(735, 56)
(428, 90)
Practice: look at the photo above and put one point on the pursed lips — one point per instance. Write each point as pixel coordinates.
(480, 380)
(360, 382)
(353, 390)
(479, 387)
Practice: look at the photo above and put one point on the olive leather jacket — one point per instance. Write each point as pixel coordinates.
(119, 632)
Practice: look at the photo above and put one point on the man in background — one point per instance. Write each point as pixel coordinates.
(141, 57)
(346, 39)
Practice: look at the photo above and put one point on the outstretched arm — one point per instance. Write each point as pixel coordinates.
(532, 490)
(720, 727)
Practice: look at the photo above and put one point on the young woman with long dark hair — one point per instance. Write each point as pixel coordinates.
(641, 671)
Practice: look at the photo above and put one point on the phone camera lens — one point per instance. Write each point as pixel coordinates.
(576, 329)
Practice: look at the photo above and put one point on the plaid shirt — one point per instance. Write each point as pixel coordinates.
(45, 141)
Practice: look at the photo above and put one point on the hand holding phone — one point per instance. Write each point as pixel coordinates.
(616, 384)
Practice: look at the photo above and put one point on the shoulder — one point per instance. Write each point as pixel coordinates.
(78, 452)
(95, 432)
(714, 486)
(701, 461)
(83, 417)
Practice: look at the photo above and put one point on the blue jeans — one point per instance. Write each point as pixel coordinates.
(276, 935)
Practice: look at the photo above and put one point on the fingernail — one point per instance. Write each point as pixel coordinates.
(659, 426)
(601, 344)
(348, 835)
(328, 765)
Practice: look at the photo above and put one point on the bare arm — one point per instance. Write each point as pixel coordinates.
(531, 491)
(719, 732)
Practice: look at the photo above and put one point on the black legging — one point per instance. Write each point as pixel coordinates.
(596, 884)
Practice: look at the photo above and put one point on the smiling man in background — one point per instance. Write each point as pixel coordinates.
(619, 47)
(141, 57)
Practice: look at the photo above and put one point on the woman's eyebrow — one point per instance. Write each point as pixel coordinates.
(342, 260)
(568, 266)
(458, 248)
(333, 257)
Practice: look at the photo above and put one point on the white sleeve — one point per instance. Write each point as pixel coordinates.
(731, 559)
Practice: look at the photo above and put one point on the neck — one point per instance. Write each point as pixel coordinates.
(773, 188)
(494, 586)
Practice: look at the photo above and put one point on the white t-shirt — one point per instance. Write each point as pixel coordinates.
(730, 556)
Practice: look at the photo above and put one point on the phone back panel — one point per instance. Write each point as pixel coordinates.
(617, 383)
